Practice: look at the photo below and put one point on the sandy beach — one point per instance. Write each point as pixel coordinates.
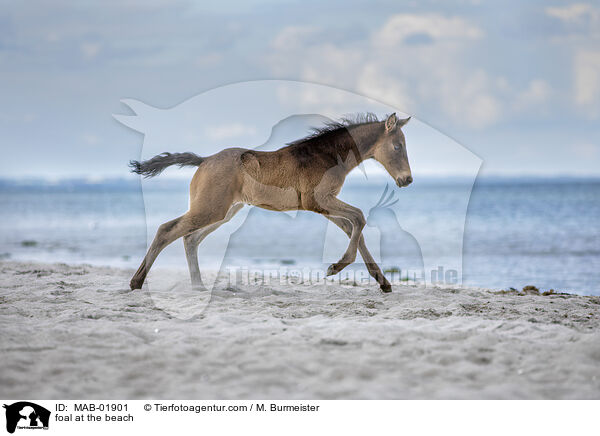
(79, 332)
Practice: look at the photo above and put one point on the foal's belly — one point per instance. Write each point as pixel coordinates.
(270, 197)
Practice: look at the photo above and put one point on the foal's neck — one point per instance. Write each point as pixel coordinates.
(364, 136)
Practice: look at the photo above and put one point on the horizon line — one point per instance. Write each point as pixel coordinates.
(99, 180)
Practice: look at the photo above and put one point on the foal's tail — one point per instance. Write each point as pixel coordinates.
(156, 165)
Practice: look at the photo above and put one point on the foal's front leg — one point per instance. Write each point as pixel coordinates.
(335, 208)
(372, 266)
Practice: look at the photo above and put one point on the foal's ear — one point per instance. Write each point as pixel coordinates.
(402, 123)
(391, 122)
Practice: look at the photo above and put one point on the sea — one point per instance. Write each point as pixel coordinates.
(497, 233)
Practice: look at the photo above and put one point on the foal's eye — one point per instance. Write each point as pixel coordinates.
(397, 146)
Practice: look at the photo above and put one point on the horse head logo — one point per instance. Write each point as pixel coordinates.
(25, 414)
(219, 119)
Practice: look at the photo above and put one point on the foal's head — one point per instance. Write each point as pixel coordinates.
(390, 151)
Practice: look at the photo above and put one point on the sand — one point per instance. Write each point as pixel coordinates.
(78, 332)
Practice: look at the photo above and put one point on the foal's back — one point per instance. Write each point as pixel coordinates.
(299, 165)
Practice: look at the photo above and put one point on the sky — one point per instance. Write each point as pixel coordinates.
(516, 83)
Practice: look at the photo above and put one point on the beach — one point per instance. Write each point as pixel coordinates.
(77, 331)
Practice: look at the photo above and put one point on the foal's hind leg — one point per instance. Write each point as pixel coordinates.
(372, 266)
(166, 233)
(175, 229)
(192, 241)
(335, 208)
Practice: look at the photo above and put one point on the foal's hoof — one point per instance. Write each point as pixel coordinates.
(386, 287)
(135, 284)
(331, 270)
(335, 268)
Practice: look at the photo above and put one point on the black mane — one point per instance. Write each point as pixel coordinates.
(337, 126)
(331, 142)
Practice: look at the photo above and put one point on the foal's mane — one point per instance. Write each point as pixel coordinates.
(331, 127)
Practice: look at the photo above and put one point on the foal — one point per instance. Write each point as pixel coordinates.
(308, 174)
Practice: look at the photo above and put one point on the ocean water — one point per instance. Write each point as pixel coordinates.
(503, 233)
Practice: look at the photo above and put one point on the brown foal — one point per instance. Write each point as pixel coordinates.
(307, 174)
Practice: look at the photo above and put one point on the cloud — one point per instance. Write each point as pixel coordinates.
(470, 99)
(330, 101)
(413, 62)
(377, 84)
(425, 27)
(538, 92)
(574, 13)
(90, 50)
(579, 19)
(587, 81)
(580, 25)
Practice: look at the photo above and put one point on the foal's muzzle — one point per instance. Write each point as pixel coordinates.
(404, 181)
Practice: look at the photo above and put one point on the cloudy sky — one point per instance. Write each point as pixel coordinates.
(517, 83)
